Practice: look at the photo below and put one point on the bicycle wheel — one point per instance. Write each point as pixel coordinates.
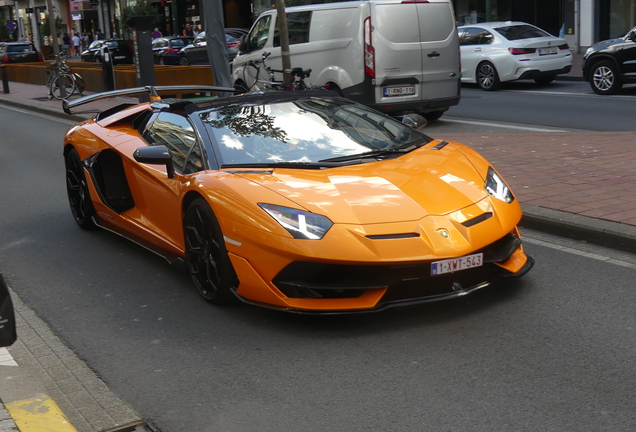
(79, 83)
(63, 81)
(251, 73)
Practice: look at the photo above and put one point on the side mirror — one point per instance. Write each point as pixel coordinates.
(155, 155)
(243, 45)
(414, 121)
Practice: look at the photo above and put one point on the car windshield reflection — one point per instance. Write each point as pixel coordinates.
(307, 130)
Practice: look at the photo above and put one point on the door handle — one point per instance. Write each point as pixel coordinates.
(434, 54)
(477, 49)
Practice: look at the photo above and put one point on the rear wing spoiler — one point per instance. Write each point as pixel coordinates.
(153, 91)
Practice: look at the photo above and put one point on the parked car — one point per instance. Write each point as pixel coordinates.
(119, 50)
(394, 56)
(19, 52)
(608, 64)
(298, 201)
(197, 52)
(496, 52)
(165, 50)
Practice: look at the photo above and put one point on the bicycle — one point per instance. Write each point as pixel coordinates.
(62, 81)
(253, 70)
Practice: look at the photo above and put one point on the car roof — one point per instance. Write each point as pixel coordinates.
(496, 24)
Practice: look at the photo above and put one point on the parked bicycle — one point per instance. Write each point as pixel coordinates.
(254, 68)
(61, 81)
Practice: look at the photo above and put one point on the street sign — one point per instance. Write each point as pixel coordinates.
(11, 25)
(28, 10)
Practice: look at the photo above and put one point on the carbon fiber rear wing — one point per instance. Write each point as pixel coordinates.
(153, 91)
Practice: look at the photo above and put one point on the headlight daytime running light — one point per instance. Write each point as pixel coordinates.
(299, 223)
(497, 187)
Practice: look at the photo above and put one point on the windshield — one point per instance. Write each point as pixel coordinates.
(524, 31)
(308, 130)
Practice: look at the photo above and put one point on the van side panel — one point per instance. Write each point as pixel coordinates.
(438, 34)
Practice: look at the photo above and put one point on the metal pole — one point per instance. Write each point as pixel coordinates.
(5, 78)
(577, 27)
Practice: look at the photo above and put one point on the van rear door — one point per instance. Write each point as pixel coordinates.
(416, 51)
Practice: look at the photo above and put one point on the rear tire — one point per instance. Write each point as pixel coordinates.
(183, 61)
(433, 115)
(604, 78)
(487, 77)
(207, 259)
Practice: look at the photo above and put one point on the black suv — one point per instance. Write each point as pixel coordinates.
(607, 65)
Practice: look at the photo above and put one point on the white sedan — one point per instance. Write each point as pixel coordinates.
(494, 52)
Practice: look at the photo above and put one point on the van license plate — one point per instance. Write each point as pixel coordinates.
(399, 91)
(547, 51)
(457, 264)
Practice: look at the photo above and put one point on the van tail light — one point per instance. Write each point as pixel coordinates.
(519, 51)
(564, 47)
(369, 51)
(40, 57)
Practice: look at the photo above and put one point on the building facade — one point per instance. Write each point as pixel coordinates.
(581, 22)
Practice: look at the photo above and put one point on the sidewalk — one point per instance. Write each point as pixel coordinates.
(577, 185)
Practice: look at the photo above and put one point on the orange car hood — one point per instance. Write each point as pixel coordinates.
(423, 182)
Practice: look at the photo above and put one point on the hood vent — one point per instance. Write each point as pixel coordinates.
(478, 219)
(392, 236)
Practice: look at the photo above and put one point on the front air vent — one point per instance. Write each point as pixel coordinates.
(392, 236)
(478, 219)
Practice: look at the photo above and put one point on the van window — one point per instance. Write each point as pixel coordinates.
(436, 21)
(297, 27)
(257, 37)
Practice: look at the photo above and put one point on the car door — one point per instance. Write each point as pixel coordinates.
(471, 46)
(158, 197)
(626, 56)
(198, 54)
(256, 41)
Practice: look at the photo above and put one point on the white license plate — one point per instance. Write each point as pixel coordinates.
(547, 51)
(399, 91)
(457, 264)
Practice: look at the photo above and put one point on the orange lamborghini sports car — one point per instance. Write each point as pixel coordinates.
(300, 201)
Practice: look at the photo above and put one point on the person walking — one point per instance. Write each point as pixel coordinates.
(76, 44)
(100, 35)
(187, 31)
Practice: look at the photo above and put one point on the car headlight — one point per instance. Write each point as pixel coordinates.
(497, 187)
(299, 223)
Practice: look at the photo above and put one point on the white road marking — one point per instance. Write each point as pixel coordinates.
(573, 251)
(6, 359)
(504, 126)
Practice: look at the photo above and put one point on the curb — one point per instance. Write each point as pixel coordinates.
(42, 109)
(46, 387)
(605, 233)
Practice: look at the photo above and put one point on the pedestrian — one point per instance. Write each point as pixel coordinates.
(187, 31)
(83, 40)
(23, 39)
(89, 38)
(156, 34)
(100, 35)
(196, 31)
(66, 40)
(76, 44)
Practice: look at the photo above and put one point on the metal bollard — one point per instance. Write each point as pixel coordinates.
(5, 78)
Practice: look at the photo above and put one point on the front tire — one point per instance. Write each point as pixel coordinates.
(78, 196)
(604, 78)
(487, 77)
(207, 259)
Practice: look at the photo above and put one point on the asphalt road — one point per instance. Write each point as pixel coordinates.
(553, 351)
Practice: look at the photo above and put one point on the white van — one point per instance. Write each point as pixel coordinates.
(397, 56)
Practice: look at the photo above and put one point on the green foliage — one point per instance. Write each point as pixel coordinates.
(141, 8)
(4, 32)
(45, 29)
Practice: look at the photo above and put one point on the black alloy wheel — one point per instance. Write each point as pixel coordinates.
(487, 77)
(604, 78)
(78, 195)
(183, 61)
(207, 260)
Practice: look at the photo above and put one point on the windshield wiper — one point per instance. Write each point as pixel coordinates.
(373, 154)
(294, 165)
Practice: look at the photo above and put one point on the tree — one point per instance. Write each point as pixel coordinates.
(45, 28)
(141, 8)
